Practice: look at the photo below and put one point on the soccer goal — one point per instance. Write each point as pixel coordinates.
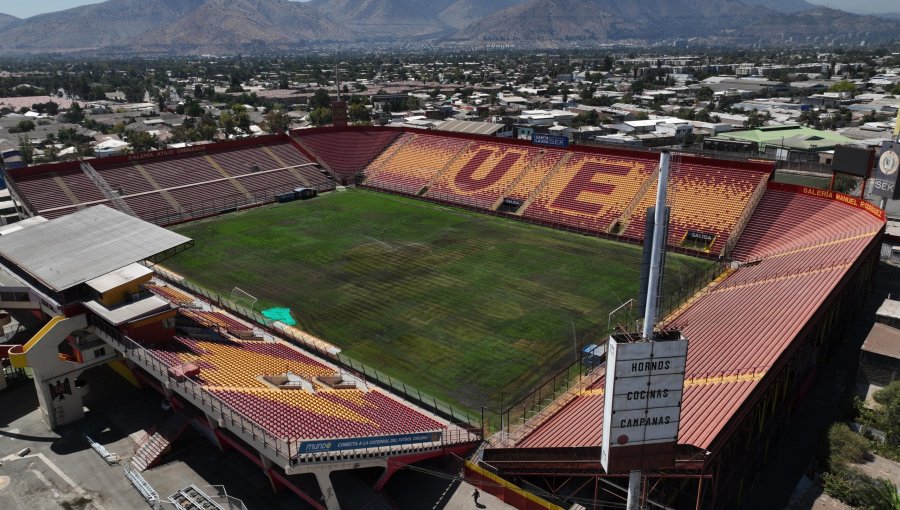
(243, 298)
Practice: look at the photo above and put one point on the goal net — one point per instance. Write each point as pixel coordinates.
(243, 298)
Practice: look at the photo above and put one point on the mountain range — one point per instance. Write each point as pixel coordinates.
(209, 26)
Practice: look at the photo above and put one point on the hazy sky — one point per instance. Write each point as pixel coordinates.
(26, 9)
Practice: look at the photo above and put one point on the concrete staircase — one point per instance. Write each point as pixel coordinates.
(151, 448)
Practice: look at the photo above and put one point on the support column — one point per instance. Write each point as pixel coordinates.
(267, 469)
(60, 401)
(324, 479)
(389, 470)
(214, 436)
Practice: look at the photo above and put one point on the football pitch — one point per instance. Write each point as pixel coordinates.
(468, 307)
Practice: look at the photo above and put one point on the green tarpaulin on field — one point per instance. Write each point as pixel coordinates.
(282, 315)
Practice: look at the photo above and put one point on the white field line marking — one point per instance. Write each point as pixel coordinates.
(81, 492)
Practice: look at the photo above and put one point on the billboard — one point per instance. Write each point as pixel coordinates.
(885, 182)
(353, 443)
(852, 160)
(550, 140)
(642, 406)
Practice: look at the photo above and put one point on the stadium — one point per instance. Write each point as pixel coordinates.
(437, 300)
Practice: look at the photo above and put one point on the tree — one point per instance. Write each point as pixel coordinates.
(590, 118)
(320, 116)
(142, 141)
(843, 86)
(637, 87)
(25, 126)
(705, 93)
(413, 103)
(846, 184)
(277, 121)
(883, 495)
(51, 152)
(810, 118)
(50, 108)
(227, 123)
(241, 118)
(75, 114)
(755, 120)
(889, 398)
(845, 446)
(26, 149)
(607, 63)
(320, 99)
(359, 114)
(84, 150)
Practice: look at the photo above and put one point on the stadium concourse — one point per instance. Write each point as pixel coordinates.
(794, 262)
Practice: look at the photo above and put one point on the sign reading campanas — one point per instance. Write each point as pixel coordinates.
(644, 383)
(352, 443)
(550, 140)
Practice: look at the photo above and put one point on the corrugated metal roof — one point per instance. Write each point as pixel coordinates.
(471, 127)
(118, 277)
(150, 305)
(740, 327)
(92, 242)
(883, 340)
(889, 308)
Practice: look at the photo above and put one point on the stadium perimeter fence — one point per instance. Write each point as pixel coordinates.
(225, 204)
(456, 415)
(514, 422)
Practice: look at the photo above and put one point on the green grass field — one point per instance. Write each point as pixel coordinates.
(461, 305)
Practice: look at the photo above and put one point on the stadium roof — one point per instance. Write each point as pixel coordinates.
(470, 127)
(73, 249)
(804, 246)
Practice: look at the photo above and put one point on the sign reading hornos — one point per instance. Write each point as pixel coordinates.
(642, 401)
(830, 195)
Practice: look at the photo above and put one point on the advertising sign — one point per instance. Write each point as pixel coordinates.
(550, 140)
(703, 237)
(852, 160)
(885, 182)
(644, 384)
(352, 443)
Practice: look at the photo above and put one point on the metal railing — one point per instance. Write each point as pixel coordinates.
(222, 204)
(232, 419)
(744, 219)
(105, 188)
(513, 423)
(359, 370)
(689, 288)
(528, 413)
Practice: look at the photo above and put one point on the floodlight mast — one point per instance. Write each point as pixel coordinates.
(650, 310)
